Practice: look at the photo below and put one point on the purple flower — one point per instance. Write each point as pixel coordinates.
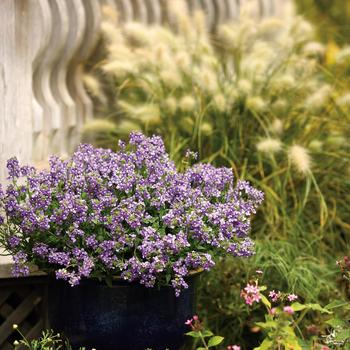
(19, 267)
(59, 258)
(13, 168)
(129, 213)
(13, 241)
(41, 250)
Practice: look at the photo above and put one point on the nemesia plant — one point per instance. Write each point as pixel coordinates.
(101, 214)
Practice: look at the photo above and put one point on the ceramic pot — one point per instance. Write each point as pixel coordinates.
(123, 316)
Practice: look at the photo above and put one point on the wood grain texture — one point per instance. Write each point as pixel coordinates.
(15, 83)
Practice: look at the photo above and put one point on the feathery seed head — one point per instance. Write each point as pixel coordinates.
(269, 145)
(170, 104)
(256, 104)
(277, 126)
(220, 102)
(171, 78)
(244, 86)
(314, 49)
(300, 159)
(136, 34)
(279, 106)
(206, 129)
(187, 103)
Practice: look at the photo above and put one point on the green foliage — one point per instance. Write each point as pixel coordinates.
(255, 97)
(201, 335)
(49, 340)
(330, 17)
(286, 325)
(285, 268)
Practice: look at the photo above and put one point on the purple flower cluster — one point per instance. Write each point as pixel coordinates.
(130, 213)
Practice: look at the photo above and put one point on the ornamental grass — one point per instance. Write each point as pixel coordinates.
(257, 97)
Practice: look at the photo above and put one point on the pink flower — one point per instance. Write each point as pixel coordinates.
(292, 297)
(248, 300)
(289, 310)
(189, 322)
(195, 317)
(256, 297)
(233, 347)
(274, 296)
(250, 288)
(273, 311)
(251, 294)
(325, 348)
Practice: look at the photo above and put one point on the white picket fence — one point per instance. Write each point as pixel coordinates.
(44, 45)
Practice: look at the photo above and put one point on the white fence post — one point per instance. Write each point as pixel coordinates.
(43, 46)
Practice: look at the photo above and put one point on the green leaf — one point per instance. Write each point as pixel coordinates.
(265, 301)
(193, 334)
(265, 345)
(298, 307)
(109, 281)
(336, 322)
(305, 344)
(214, 341)
(335, 304)
(207, 333)
(343, 335)
(267, 324)
(167, 278)
(201, 348)
(317, 307)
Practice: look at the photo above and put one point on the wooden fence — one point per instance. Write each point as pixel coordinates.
(44, 45)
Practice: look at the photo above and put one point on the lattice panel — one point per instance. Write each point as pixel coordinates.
(22, 302)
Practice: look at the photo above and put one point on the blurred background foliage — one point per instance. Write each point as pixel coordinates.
(331, 18)
(264, 98)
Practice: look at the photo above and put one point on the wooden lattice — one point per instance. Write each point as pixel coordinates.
(22, 302)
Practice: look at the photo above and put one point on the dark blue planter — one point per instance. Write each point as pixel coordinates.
(125, 316)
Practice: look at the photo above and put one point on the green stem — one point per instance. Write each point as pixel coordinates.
(203, 340)
(300, 318)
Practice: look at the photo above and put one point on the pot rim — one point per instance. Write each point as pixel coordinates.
(190, 273)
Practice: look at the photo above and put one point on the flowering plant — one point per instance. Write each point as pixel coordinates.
(131, 213)
(49, 340)
(285, 325)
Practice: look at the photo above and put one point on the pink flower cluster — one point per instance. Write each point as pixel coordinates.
(194, 323)
(251, 294)
(233, 347)
(276, 296)
(193, 319)
(292, 297)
